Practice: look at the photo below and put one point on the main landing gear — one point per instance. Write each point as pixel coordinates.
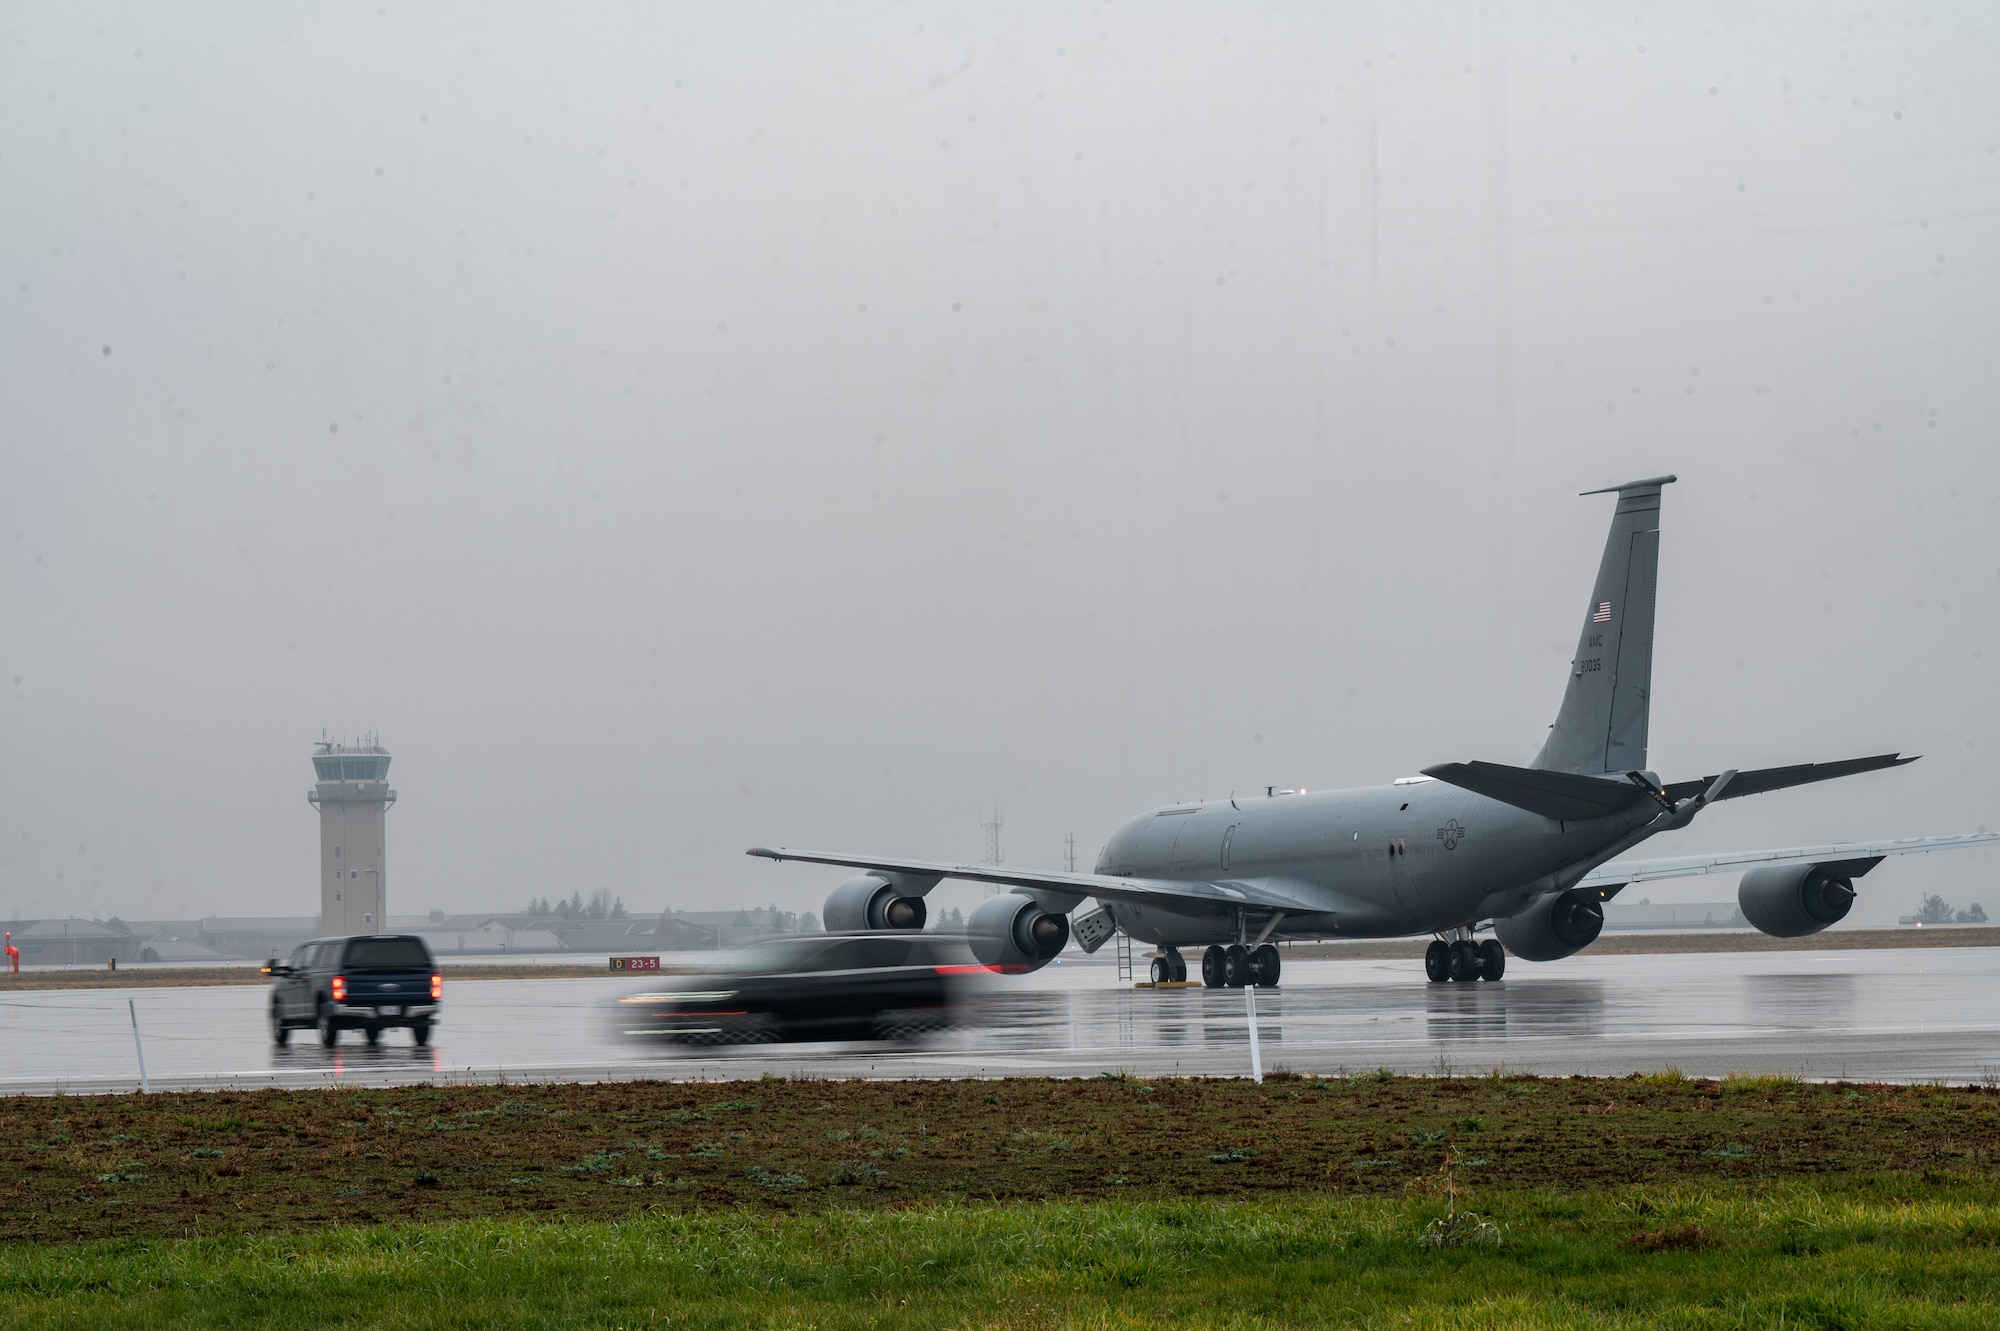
(1170, 967)
(1236, 966)
(1464, 960)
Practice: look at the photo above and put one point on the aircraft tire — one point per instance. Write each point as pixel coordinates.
(1211, 968)
(1437, 961)
(1492, 960)
(1464, 962)
(1264, 965)
(1236, 965)
(1180, 967)
(1163, 970)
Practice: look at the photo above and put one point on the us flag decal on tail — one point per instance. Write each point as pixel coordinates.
(1603, 615)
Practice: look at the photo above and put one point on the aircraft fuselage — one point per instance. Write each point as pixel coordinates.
(1378, 862)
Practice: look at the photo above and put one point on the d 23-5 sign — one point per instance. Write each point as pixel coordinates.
(635, 963)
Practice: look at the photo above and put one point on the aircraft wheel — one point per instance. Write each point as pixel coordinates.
(1437, 961)
(1163, 970)
(1211, 968)
(1264, 965)
(1464, 962)
(1236, 965)
(1492, 960)
(1179, 964)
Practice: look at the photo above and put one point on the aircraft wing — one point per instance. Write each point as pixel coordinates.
(1686, 866)
(1139, 891)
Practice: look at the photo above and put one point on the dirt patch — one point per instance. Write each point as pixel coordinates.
(199, 1162)
(1676, 1238)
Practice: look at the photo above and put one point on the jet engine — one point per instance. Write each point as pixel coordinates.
(1793, 900)
(875, 901)
(1555, 926)
(1015, 932)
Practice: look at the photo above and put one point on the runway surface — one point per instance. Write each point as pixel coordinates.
(1876, 1015)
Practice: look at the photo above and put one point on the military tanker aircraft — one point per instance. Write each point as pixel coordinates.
(1527, 852)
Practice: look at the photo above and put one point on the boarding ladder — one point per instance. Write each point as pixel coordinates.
(1124, 945)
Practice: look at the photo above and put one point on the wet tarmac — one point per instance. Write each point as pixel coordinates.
(1876, 1015)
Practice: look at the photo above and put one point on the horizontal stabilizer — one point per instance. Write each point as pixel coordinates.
(1563, 795)
(1778, 778)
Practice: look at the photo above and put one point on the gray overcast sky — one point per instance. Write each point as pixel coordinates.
(677, 428)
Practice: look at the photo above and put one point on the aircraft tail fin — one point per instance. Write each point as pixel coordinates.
(1602, 724)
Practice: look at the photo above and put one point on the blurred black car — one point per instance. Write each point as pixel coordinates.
(370, 983)
(817, 987)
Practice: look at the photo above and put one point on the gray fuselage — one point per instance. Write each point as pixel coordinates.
(1378, 862)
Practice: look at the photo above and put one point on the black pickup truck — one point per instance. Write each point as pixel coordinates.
(368, 983)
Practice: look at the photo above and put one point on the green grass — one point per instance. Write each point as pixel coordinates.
(1891, 1252)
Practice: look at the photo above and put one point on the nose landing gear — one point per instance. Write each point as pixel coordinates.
(1170, 967)
(1464, 960)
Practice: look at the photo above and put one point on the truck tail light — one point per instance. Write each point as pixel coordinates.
(340, 988)
(437, 986)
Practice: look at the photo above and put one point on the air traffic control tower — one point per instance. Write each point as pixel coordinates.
(352, 796)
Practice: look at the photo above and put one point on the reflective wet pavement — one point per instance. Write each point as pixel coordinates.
(1912, 1015)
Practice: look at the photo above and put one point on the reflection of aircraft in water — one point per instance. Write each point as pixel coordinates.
(1528, 849)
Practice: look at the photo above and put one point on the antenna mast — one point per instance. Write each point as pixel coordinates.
(993, 837)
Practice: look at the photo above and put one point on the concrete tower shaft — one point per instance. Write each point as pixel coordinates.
(352, 796)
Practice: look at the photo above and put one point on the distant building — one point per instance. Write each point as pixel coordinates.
(73, 942)
(1621, 915)
(702, 930)
(352, 796)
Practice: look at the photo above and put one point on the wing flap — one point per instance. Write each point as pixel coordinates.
(1163, 892)
(1850, 856)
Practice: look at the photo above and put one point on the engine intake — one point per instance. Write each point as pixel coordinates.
(1013, 931)
(1554, 927)
(1793, 900)
(873, 902)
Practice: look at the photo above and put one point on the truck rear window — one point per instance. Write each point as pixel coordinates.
(402, 953)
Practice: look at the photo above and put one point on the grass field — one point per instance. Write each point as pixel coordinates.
(1107, 1202)
(1892, 1253)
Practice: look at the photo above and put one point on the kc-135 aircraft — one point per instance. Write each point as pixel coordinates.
(1530, 852)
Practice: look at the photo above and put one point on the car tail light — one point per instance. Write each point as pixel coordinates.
(340, 988)
(437, 986)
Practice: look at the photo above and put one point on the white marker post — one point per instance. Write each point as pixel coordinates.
(145, 1089)
(1256, 1058)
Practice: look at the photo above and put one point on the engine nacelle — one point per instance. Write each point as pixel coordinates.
(1554, 927)
(1015, 932)
(1793, 900)
(872, 902)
